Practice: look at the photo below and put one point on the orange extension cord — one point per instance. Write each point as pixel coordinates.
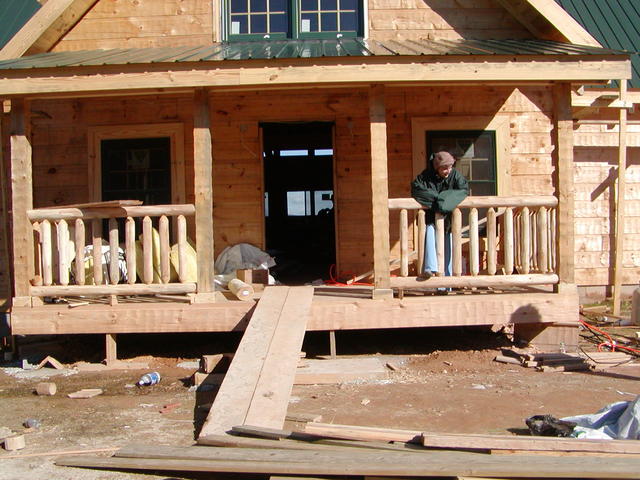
(612, 344)
(334, 281)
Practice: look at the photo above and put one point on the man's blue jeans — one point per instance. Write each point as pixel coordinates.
(430, 255)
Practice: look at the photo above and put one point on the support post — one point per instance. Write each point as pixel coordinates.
(618, 265)
(110, 349)
(379, 193)
(21, 200)
(565, 189)
(203, 175)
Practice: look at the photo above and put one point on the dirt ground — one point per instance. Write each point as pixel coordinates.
(446, 381)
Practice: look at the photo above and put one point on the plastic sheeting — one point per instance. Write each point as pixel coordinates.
(620, 420)
(242, 256)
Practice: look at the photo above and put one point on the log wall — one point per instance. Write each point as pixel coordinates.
(61, 169)
(595, 172)
(437, 19)
(529, 113)
(144, 23)
(168, 23)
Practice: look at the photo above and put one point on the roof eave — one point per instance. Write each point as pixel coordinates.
(314, 72)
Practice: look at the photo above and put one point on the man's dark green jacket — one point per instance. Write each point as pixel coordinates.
(439, 194)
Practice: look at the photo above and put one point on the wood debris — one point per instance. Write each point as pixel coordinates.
(86, 393)
(49, 360)
(563, 362)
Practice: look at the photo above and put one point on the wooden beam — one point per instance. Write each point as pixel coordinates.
(337, 314)
(618, 264)
(565, 190)
(21, 199)
(46, 27)
(379, 188)
(203, 178)
(428, 463)
(322, 71)
(546, 19)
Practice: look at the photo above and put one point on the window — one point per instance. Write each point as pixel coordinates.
(476, 155)
(280, 19)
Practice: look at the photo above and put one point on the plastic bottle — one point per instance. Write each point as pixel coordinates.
(149, 379)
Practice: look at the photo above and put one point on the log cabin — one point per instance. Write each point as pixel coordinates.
(295, 126)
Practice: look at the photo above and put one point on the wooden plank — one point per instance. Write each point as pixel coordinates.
(356, 432)
(46, 26)
(379, 187)
(268, 407)
(359, 462)
(514, 442)
(21, 199)
(236, 392)
(203, 192)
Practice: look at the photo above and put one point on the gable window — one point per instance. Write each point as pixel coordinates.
(281, 19)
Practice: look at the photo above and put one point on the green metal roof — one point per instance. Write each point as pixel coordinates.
(281, 49)
(13, 15)
(614, 23)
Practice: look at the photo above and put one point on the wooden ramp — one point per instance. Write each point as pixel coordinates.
(256, 389)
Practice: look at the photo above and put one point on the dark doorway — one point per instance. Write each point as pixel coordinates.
(299, 200)
(137, 169)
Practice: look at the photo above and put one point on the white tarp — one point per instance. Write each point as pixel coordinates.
(620, 420)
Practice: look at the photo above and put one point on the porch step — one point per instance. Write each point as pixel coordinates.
(256, 389)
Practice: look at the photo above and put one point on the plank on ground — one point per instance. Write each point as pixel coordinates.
(264, 364)
(513, 442)
(358, 462)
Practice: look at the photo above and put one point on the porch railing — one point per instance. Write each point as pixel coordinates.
(513, 242)
(72, 259)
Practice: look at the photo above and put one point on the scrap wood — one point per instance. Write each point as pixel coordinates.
(509, 442)
(51, 361)
(320, 443)
(85, 393)
(353, 432)
(355, 462)
(59, 453)
(300, 437)
(303, 417)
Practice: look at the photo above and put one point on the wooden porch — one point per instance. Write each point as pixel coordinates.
(504, 277)
(518, 256)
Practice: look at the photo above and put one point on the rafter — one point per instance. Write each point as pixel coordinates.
(46, 27)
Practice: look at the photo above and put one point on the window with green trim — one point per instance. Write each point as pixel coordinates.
(280, 19)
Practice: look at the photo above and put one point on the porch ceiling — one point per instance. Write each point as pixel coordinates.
(309, 63)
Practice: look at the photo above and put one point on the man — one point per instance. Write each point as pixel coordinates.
(439, 189)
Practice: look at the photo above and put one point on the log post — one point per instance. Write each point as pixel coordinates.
(203, 189)
(565, 190)
(130, 247)
(620, 194)
(508, 241)
(21, 199)
(379, 193)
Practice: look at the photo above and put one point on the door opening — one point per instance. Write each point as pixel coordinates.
(299, 200)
